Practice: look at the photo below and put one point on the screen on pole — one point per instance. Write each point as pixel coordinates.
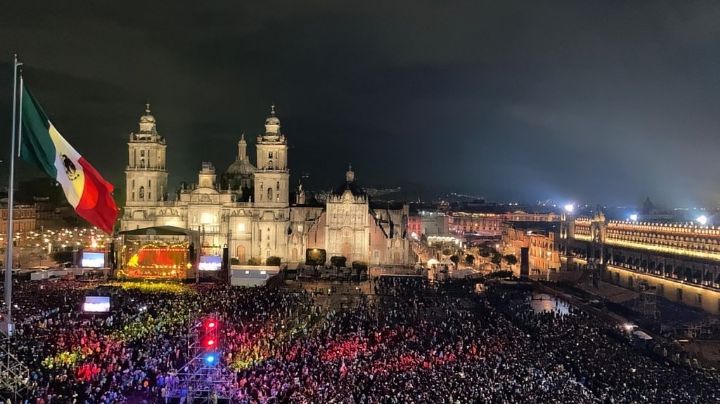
(96, 304)
(92, 259)
(210, 263)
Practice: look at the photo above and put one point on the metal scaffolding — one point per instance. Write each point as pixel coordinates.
(647, 301)
(14, 375)
(200, 380)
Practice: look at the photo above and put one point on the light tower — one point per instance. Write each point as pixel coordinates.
(566, 231)
(205, 378)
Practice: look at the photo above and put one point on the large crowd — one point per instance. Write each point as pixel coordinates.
(409, 341)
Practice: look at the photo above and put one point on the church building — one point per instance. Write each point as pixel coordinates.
(249, 209)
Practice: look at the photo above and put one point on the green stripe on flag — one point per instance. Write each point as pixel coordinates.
(37, 146)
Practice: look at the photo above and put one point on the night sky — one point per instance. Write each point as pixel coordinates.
(606, 101)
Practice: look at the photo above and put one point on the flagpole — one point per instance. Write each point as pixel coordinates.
(19, 116)
(9, 234)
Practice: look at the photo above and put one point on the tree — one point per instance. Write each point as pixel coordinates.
(360, 265)
(455, 259)
(511, 259)
(338, 261)
(470, 259)
(500, 274)
(273, 261)
(62, 256)
(234, 261)
(496, 259)
(254, 261)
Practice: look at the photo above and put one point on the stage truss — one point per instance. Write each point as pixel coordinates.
(14, 375)
(201, 382)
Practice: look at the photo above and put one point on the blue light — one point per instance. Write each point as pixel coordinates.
(210, 359)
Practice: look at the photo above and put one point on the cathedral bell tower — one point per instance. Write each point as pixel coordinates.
(272, 181)
(272, 176)
(145, 175)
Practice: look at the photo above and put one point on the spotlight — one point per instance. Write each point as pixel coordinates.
(569, 208)
(211, 324)
(702, 219)
(210, 359)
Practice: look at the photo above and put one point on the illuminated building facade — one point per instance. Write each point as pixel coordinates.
(249, 209)
(681, 260)
(543, 243)
(428, 223)
(24, 218)
(490, 223)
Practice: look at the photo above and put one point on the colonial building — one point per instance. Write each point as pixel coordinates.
(489, 221)
(681, 261)
(24, 218)
(249, 210)
(543, 243)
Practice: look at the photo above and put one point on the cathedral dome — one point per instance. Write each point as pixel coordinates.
(240, 173)
(240, 167)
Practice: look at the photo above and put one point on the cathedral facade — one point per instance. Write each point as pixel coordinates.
(250, 211)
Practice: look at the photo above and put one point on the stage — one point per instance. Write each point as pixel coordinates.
(162, 252)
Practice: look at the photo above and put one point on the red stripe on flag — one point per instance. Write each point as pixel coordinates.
(97, 205)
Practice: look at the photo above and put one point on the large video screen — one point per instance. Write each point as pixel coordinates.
(92, 260)
(210, 263)
(96, 304)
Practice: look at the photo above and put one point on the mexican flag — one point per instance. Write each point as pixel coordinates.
(85, 189)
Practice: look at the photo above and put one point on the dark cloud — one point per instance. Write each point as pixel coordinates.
(600, 100)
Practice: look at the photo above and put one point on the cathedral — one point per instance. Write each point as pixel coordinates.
(250, 211)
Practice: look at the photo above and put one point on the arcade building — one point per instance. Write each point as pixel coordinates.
(249, 208)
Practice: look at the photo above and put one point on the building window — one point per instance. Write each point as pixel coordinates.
(142, 163)
(277, 186)
(141, 194)
(142, 153)
(149, 197)
(132, 198)
(269, 194)
(149, 183)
